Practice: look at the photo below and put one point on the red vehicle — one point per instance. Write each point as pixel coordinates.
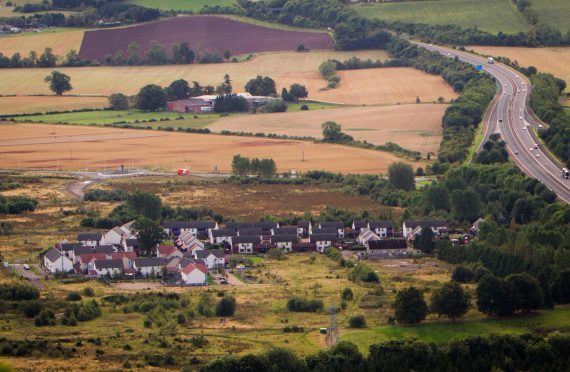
(183, 172)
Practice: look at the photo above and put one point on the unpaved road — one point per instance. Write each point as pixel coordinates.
(29, 275)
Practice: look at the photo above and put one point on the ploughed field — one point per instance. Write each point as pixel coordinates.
(414, 127)
(77, 148)
(554, 60)
(204, 34)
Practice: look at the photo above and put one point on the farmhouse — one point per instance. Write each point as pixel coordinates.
(190, 105)
(323, 241)
(194, 273)
(384, 229)
(245, 243)
(285, 242)
(213, 258)
(439, 227)
(55, 261)
(90, 239)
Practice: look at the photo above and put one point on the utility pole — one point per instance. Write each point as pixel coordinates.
(332, 336)
(303, 156)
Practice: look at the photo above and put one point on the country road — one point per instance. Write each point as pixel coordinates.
(511, 116)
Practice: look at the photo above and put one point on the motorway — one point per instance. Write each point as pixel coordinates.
(510, 115)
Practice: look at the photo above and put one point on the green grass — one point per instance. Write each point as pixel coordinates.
(555, 13)
(488, 15)
(445, 331)
(127, 116)
(312, 105)
(193, 5)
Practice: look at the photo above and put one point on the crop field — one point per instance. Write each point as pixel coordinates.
(488, 15)
(194, 5)
(60, 40)
(553, 60)
(75, 147)
(414, 127)
(204, 34)
(555, 13)
(34, 104)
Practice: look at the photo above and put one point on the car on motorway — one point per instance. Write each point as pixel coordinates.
(524, 128)
(516, 152)
(535, 146)
(532, 149)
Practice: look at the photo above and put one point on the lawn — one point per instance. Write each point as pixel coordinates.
(193, 5)
(553, 12)
(488, 15)
(103, 117)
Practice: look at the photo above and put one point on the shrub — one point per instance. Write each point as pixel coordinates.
(303, 305)
(181, 319)
(73, 296)
(347, 294)
(226, 306)
(45, 318)
(32, 308)
(88, 291)
(357, 321)
(18, 292)
(462, 274)
(304, 108)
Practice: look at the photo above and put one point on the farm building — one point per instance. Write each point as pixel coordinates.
(190, 105)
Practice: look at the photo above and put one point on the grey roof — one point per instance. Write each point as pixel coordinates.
(219, 253)
(360, 224)
(255, 231)
(104, 249)
(53, 255)
(149, 262)
(332, 225)
(426, 223)
(239, 225)
(89, 236)
(190, 224)
(285, 231)
(323, 238)
(246, 239)
(84, 249)
(131, 242)
(284, 238)
(109, 264)
(266, 225)
(223, 232)
(388, 244)
(68, 246)
(304, 224)
(325, 231)
(380, 224)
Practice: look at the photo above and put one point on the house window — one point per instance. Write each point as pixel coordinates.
(241, 250)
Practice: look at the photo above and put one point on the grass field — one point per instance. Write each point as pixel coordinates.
(194, 5)
(77, 147)
(488, 15)
(415, 127)
(34, 104)
(552, 60)
(60, 40)
(553, 12)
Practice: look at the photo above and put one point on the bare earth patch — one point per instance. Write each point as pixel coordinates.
(71, 147)
(415, 127)
(33, 104)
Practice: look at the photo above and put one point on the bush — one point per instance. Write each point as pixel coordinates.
(45, 318)
(31, 308)
(226, 306)
(88, 291)
(304, 108)
(276, 105)
(73, 296)
(347, 294)
(18, 292)
(303, 305)
(181, 319)
(462, 274)
(357, 321)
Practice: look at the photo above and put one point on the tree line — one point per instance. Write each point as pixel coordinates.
(243, 166)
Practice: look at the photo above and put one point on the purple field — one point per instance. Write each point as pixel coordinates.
(204, 34)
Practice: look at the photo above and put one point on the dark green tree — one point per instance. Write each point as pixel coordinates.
(155, 54)
(226, 306)
(118, 101)
(401, 176)
(466, 204)
(450, 300)
(436, 197)
(151, 98)
(425, 241)
(149, 233)
(227, 85)
(182, 54)
(410, 306)
(261, 86)
(178, 89)
(240, 165)
(47, 59)
(298, 91)
(462, 274)
(494, 296)
(267, 168)
(357, 321)
(134, 53)
(526, 292)
(286, 96)
(561, 288)
(59, 83)
(145, 204)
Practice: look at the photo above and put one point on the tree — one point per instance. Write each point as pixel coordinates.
(401, 176)
(149, 233)
(425, 240)
(526, 292)
(155, 55)
(286, 96)
(47, 59)
(151, 98)
(462, 274)
(332, 132)
(59, 83)
(298, 91)
(436, 197)
(227, 85)
(145, 204)
(267, 168)
(227, 54)
(240, 165)
(178, 89)
(466, 204)
(410, 306)
(261, 86)
(134, 53)
(561, 288)
(226, 306)
(347, 294)
(494, 297)
(450, 300)
(357, 321)
(181, 53)
(118, 101)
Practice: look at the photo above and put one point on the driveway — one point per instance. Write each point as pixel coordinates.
(29, 275)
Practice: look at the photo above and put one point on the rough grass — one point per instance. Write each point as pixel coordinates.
(488, 15)
(553, 12)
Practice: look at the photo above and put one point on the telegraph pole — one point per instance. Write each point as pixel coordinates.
(332, 336)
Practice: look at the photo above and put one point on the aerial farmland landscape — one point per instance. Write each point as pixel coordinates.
(284, 185)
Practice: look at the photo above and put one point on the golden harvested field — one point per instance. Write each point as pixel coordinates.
(553, 60)
(415, 127)
(74, 147)
(375, 86)
(33, 104)
(60, 42)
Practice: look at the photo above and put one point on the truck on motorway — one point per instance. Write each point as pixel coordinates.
(490, 60)
(565, 173)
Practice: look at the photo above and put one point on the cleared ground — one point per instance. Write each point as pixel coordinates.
(488, 15)
(57, 39)
(33, 104)
(415, 127)
(553, 60)
(71, 147)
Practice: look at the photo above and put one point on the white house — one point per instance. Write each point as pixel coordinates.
(366, 236)
(304, 228)
(55, 261)
(323, 241)
(337, 225)
(360, 225)
(244, 243)
(149, 265)
(439, 227)
(107, 268)
(384, 229)
(222, 235)
(195, 228)
(213, 258)
(119, 235)
(167, 251)
(188, 242)
(284, 241)
(194, 274)
(90, 239)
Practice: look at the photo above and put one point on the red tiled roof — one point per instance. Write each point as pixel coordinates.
(119, 256)
(91, 256)
(166, 249)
